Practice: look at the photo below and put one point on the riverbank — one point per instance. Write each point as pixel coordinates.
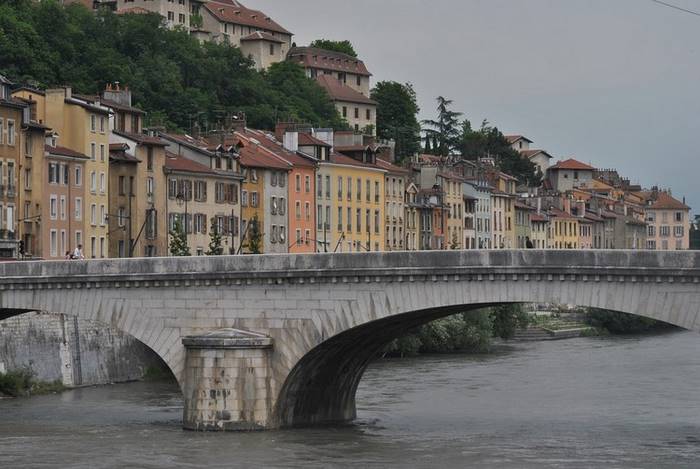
(22, 383)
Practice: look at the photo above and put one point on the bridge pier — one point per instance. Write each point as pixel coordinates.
(227, 381)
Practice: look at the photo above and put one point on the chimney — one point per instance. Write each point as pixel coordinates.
(280, 129)
(113, 92)
(291, 141)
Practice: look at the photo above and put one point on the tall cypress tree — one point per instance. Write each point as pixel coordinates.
(178, 241)
(215, 247)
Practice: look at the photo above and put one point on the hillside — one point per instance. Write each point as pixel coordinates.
(172, 76)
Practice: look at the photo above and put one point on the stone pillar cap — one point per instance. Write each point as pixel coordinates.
(228, 339)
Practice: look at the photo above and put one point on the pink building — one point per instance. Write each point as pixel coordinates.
(668, 221)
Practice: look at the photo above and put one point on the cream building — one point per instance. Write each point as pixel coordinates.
(668, 221)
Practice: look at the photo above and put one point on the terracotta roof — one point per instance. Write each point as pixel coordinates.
(523, 206)
(391, 168)
(232, 11)
(310, 140)
(511, 139)
(340, 92)
(121, 156)
(337, 158)
(121, 107)
(572, 164)
(178, 163)
(593, 217)
(141, 139)
(538, 217)
(312, 57)
(555, 212)
(533, 153)
(118, 147)
(262, 36)
(63, 151)
(659, 200)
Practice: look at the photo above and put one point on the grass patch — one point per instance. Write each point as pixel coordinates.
(22, 383)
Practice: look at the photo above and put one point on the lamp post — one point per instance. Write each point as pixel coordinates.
(181, 199)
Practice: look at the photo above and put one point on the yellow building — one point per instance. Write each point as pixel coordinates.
(82, 125)
(564, 230)
(350, 205)
(503, 209)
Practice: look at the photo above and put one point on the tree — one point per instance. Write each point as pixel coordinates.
(397, 111)
(446, 129)
(489, 141)
(215, 247)
(344, 47)
(507, 319)
(178, 240)
(428, 150)
(254, 236)
(179, 81)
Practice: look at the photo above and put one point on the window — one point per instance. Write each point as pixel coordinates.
(328, 187)
(368, 114)
(2, 129)
(274, 178)
(53, 173)
(349, 195)
(53, 241)
(345, 111)
(651, 231)
(10, 132)
(349, 228)
(340, 218)
(244, 199)
(679, 217)
(283, 234)
(171, 16)
(102, 152)
(149, 159)
(122, 185)
(283, 179)
(273, 236)
(376, 192)
(299, 240)
(254, 199)
(200, 191)
(297, 210)
(93, 121)
(53, 207)
(665, 231)
(102, 183)
(272, 49)
(307, 237)
(181, 18)
(679, 231)
(65, 180)
(328, 218)
(359, 189)
(319, 218)
(340, 188)
(359, 80)
(273, 205)
(297, 185)
(376, 221)
(78, 176)
(149, 187)
(78, 209)
(103, 215)
(93, 151)
(28, 146)
(62, 207)
(319, 186)
(357, 113)
(358, 219)
(307, 184)
(93, 214)
(367, 190)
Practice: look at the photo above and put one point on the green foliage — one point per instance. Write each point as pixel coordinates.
(178, 241)
(254, 236)
(507, 319)
(344, 47)
(445, 130)
(215, 246)
(489, 141)
(176, 79)
(21, 382)
(397, 111)
(468, 332)
(622, 323)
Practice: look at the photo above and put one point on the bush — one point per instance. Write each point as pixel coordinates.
(16, 383)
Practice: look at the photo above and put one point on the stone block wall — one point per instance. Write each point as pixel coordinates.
(75, 351)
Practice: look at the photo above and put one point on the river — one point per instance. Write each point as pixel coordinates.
(592, 402)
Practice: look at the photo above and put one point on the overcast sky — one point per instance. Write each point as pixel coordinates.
(614, 83)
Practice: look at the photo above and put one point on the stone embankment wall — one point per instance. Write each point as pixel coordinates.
(75, 351)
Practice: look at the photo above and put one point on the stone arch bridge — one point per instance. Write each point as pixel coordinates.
(261, 342)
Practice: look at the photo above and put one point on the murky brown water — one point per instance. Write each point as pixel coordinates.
(615, 402)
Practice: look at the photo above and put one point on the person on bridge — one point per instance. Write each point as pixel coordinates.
(78, 253)
(528, 243)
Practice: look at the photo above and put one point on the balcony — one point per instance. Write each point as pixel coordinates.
(11, 190)
(7, 235)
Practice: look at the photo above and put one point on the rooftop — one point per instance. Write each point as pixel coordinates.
(312, 57)
(572, 164)
(262, 36)
(660, 200)
(232, 11)
(339, 91)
